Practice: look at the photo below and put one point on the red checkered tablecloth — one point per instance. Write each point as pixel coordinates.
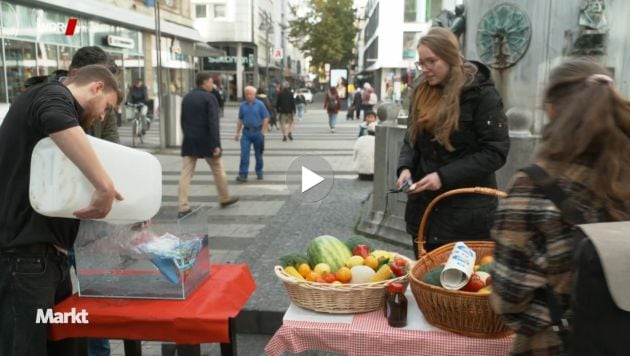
(369, 334)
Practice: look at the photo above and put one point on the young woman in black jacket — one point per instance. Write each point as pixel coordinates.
(457, 137)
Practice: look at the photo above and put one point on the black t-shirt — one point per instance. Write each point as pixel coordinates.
(39, 111)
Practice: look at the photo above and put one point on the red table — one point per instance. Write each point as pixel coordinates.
(205, 317)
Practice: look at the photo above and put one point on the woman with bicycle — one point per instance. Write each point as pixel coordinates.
(457, 137)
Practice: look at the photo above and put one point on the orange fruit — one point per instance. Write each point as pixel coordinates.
(313, 277)
(371, 262)
(486, 259)
(304, 270)
(344, 275)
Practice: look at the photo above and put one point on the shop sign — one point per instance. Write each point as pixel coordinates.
(120, 42)
(246, 61)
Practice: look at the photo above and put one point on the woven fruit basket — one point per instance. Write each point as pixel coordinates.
(337, 298)
(461, 312)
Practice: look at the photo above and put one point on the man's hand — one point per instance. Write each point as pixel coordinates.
(430, 182)
(237, 137)
(404, 175)
(216, 152)
(100, 205)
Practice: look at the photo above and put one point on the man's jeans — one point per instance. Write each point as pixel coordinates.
(332, 119)
(28, 282)
(248, 139)
(300, 110)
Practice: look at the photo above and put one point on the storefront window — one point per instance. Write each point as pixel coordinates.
(46, 59)
(20, 64)
(65, 56)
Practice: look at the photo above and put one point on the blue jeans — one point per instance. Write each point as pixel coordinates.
(332, 119)
(248, 139)
(98, 347)
(300, 110)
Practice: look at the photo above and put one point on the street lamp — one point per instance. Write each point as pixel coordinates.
(158, 48)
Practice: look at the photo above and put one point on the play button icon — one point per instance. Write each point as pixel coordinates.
(310, 178)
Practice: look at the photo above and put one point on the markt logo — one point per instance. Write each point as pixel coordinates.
(47, 316)
(71, 26)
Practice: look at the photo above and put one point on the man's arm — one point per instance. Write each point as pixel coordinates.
(74, 143)
(239, 126)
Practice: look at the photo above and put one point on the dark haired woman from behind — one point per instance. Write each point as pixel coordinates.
(585, 149)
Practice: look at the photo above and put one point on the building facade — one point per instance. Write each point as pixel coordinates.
(256, 48)
(390, 31)
(34, 41)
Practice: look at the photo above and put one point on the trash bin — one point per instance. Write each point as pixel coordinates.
(171, 116)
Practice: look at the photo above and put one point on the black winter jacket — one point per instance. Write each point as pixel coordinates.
(200, 124)
(481, 146)
(285, 103)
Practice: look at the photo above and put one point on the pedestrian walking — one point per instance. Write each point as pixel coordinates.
(357, 104)
(585, 151)
(33, 248)
(253, 118)
(273, 116)
(457, 137)
(332, 104)
(300, 105)
(285, 106)
(368, 99)
(202, 139)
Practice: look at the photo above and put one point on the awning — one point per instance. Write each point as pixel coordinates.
(205, 50)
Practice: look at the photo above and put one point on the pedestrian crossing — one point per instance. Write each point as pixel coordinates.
(232, 229)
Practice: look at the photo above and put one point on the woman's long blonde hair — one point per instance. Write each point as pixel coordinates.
(437, 107)
(591, 120)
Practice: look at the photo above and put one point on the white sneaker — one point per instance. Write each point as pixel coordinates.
(332, 130)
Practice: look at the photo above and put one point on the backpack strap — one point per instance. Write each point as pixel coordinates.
(553, 192)
(560, 199)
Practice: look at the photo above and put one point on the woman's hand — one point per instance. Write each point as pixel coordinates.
(430, 182)
(405, 174)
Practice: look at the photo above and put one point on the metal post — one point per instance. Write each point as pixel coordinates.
(158, 47)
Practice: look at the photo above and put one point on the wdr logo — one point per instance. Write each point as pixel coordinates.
(71, 26)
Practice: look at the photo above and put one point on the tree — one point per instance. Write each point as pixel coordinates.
(324, 30)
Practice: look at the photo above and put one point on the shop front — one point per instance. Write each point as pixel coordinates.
(34, 43)
(234, 70)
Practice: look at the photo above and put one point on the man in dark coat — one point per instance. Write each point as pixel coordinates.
(200, 126)
(285, 106)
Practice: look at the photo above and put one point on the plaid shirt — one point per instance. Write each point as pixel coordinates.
(535, 247)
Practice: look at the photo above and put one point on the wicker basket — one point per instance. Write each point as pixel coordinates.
(464, 313)
(337, 299)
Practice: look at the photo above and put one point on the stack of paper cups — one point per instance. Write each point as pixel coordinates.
(459, 267)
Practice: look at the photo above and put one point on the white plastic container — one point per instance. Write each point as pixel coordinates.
(58, 188)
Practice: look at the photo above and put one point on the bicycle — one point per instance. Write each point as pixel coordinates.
(140, 123)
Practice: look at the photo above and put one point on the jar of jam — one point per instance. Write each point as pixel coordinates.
(396, 305)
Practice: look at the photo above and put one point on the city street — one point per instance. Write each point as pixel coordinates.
(269, 220)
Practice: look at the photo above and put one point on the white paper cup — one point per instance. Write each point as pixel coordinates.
(459, 267)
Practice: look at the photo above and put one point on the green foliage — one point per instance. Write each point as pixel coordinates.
(358, 240)
(293, 259)
(324, 29)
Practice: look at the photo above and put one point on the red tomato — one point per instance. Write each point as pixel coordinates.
(330, 277)
(474, 284)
